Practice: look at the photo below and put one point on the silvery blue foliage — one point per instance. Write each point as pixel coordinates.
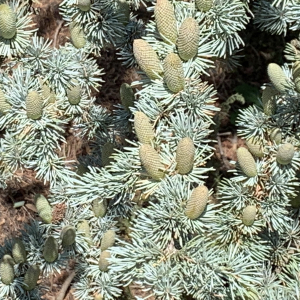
(158, 245)
(277, 17)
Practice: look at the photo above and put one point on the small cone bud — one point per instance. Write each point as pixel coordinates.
(127, 95)
(246, 162)
(108, 239)
(77, 36)
(74, 93)
(8, 22)
(165, 20)
(34, 105)
(103, 262)
(107, 151)
(185, 155)
(150, 159)
(277, 77)
(204, 5)
(249, 214)
(43, 208)
(84, 228)
(68, 235)
(197, 202)
(50, 251)
(285, 154)
(147, 59)
(276, 136)
(173, 73)
(4, 105)
(188, 39)
(269, 100)
(143, 128)
(18, 251)
(7, 273)
(99, 207)
(255, 148)
(84, 5)
(31, 277)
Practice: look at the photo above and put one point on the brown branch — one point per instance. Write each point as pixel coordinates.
(60, 23)
(65, 286)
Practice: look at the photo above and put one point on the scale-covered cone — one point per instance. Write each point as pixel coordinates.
(165, 20)
(7, 273)
(197, 202)
(34, 105)
(103, 262)
(188, 39)
(143, 128)
(8, 22)
(249, 214)
(151, 161)
(108, 239)
(185, 155)
(285, 154)
(246, 162)
(277, 77)
(173, 73)
(18, 251)
(77, 36)
(147, 59)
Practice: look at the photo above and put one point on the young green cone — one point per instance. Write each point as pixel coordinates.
(7, 273)
(68, 235)
(43, 208)
(18, 251)
(31, 277)
(127, 95)
(50, 251)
